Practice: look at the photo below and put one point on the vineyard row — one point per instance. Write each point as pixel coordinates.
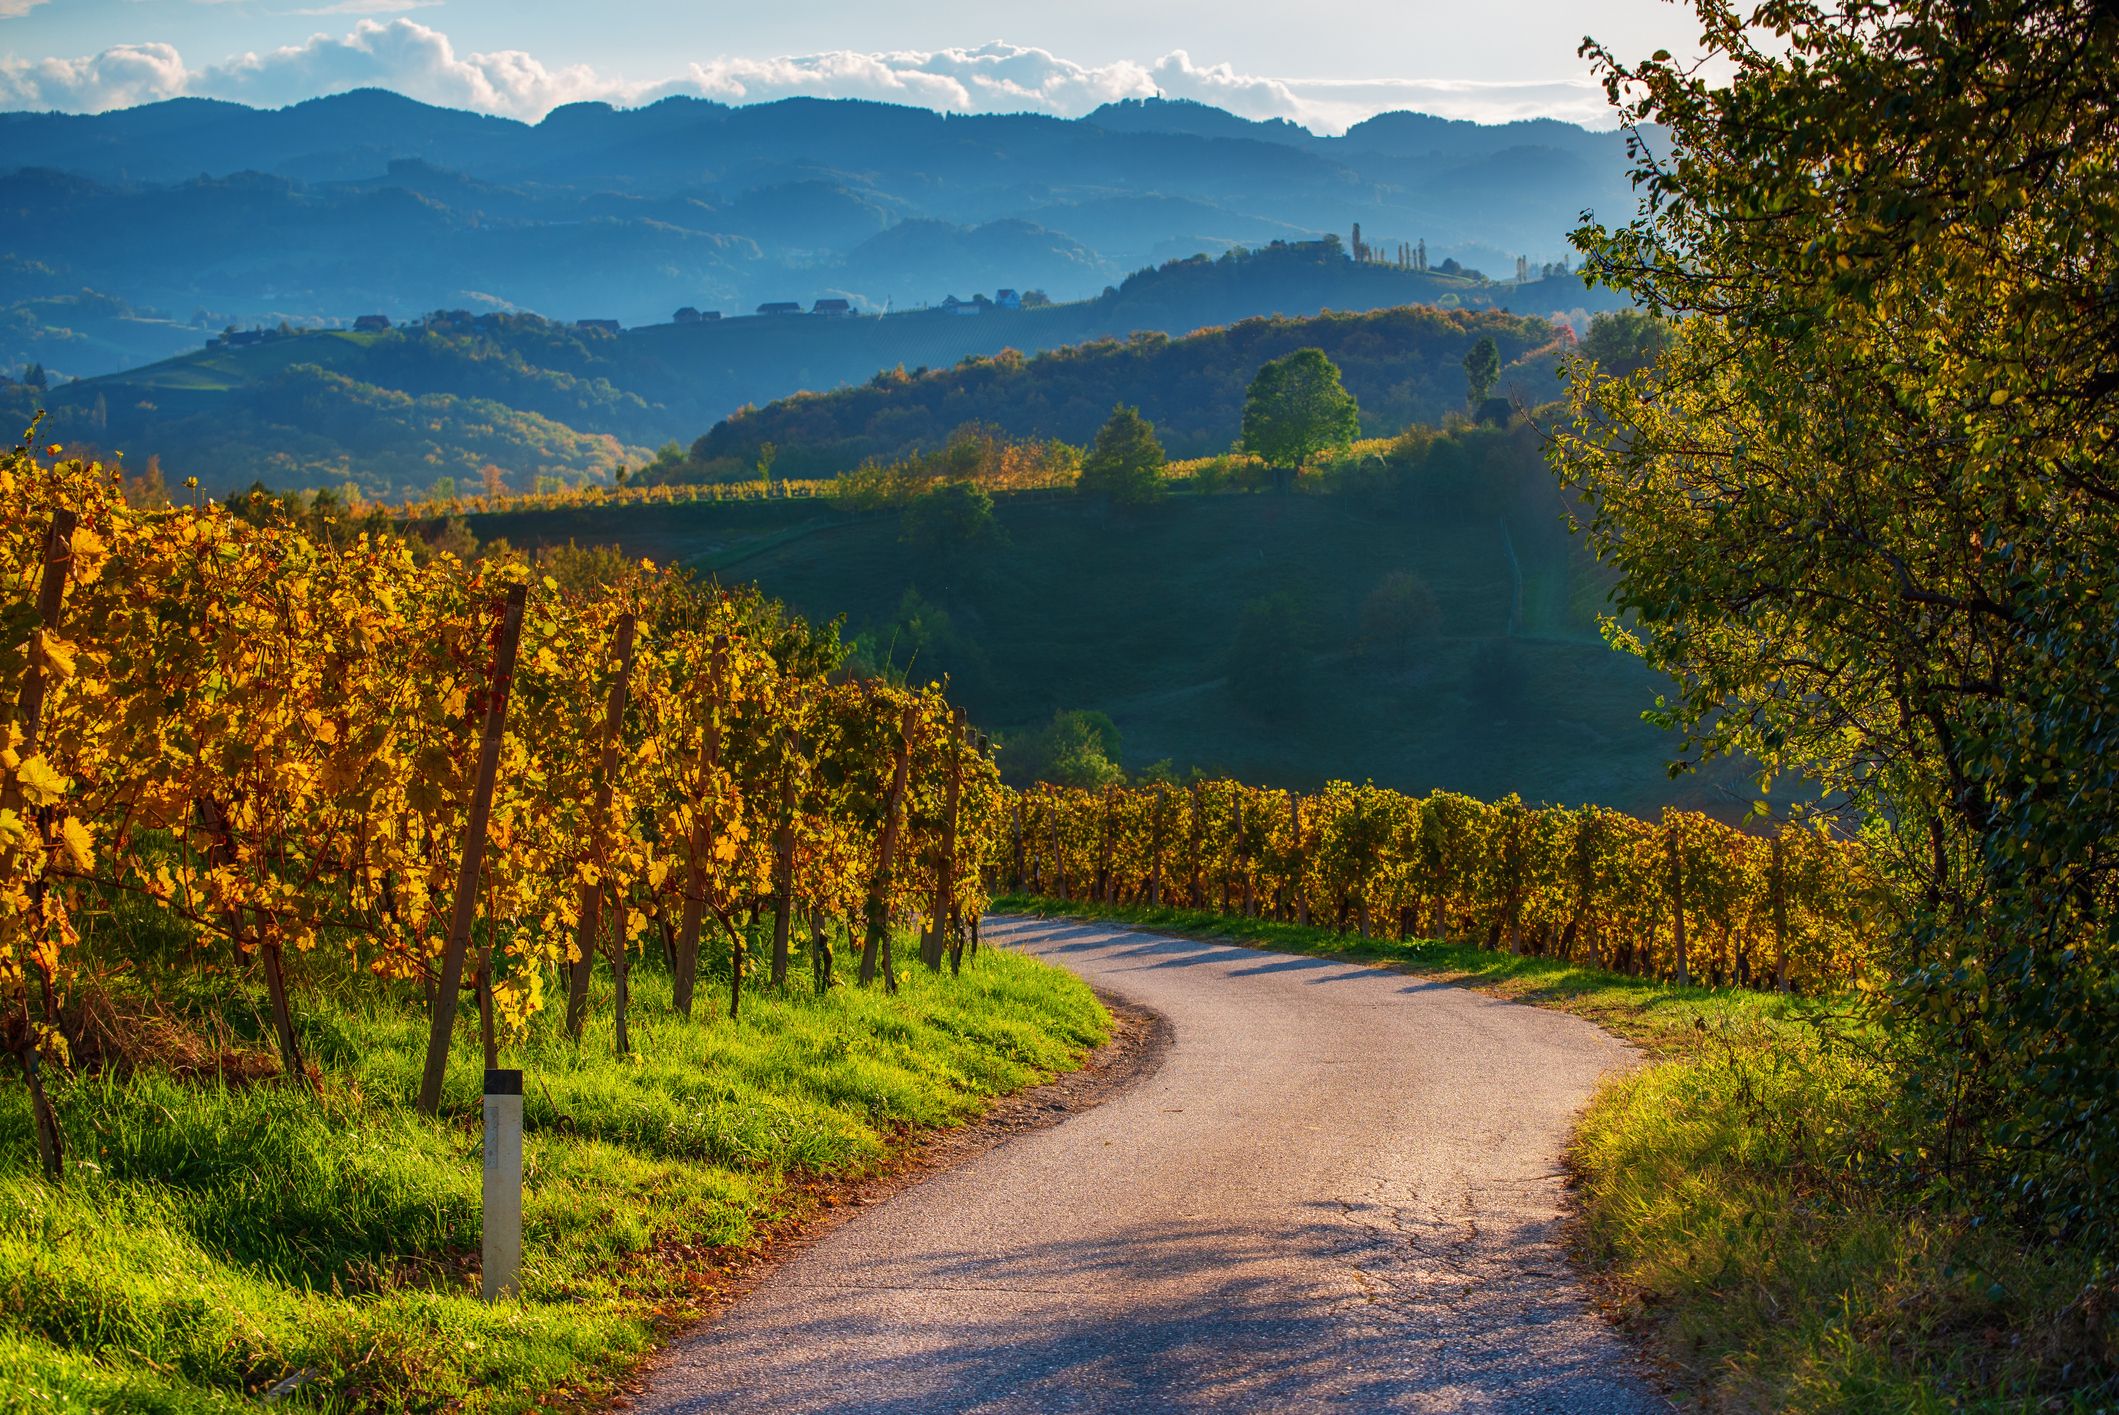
(1686, 898)
(466, 781)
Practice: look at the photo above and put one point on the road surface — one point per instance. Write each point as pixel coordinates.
(1340, 1190)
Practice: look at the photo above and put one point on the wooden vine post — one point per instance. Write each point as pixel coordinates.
(502, 680)
(1059, 857)
(1677, 909)
(1105, 887)
(784, 859)
(1514, 858)
(945, 862)
(685, 974)
(1196, 838)
(622, 637)
(1015, 882)
(1155, 847)
(29, 716)
(876, 937)
(1302, 893)
(1246, 866)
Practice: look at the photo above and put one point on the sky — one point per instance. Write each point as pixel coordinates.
(1325, 66)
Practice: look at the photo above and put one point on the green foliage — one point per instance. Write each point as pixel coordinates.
(1623, 342)
(1076, 748)
(953, 521)
(1125, 465)
(1482, 368)
(1865, 511)
(1150, 616)
(1296, 408)
(1403, 364)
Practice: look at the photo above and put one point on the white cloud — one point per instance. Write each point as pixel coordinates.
(16, 9)
(421, 62)
(119, 77)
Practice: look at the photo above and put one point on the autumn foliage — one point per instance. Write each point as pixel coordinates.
(274, 738)
(1685, 898)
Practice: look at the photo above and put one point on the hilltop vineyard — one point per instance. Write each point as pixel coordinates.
(461, 777)
(1686, 899)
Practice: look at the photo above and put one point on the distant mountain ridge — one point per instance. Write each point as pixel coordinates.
(535, 397)
(202, 212)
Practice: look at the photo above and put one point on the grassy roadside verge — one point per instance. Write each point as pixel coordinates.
(1739, 1207)
(215, 1242)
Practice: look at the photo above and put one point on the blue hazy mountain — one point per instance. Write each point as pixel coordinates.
(200, 214)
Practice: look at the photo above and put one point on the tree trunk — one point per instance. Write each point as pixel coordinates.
(945, 861)
(606, 782)
(876, 943)
(442, 1024)
(701, 846)
(483, 986)
(784, 864)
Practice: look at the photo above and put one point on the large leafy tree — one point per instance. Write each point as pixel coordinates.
(1866, 507)
(1297, 408)
(1125, 466)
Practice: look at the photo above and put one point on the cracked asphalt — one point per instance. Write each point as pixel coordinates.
(1341, 1190)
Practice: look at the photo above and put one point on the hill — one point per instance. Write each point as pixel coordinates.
(545, 386)
(1403, 365)
(369, 202)
(1423, 618)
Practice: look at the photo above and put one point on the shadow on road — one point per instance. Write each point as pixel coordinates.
(1223, 1319)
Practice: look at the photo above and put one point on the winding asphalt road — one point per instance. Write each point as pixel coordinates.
(1340, 1191)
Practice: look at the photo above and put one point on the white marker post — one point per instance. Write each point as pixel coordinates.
(502, 1255)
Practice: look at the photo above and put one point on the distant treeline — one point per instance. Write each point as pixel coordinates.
(1404, 366)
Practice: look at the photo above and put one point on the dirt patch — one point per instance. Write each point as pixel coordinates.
(1140, 1039)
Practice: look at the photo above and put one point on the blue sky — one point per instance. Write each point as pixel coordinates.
(1324, 66)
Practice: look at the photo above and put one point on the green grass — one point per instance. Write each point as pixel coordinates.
(212, 1241)
(1741, 1210)
(1136, 615)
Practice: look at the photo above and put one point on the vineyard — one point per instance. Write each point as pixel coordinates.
(469, 784)
(1686, 898)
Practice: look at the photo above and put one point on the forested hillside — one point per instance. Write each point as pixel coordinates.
(537, 398)
(1403, 366)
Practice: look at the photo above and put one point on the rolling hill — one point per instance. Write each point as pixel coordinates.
(1142, 615)
(552, 399)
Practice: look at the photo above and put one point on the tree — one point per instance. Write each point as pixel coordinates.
(1482, 369)
(1623, 342)
(1872, 539)
(1297, 408)
(35, 377)
(1077, 748)
(950, 522)
(1125, 466)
